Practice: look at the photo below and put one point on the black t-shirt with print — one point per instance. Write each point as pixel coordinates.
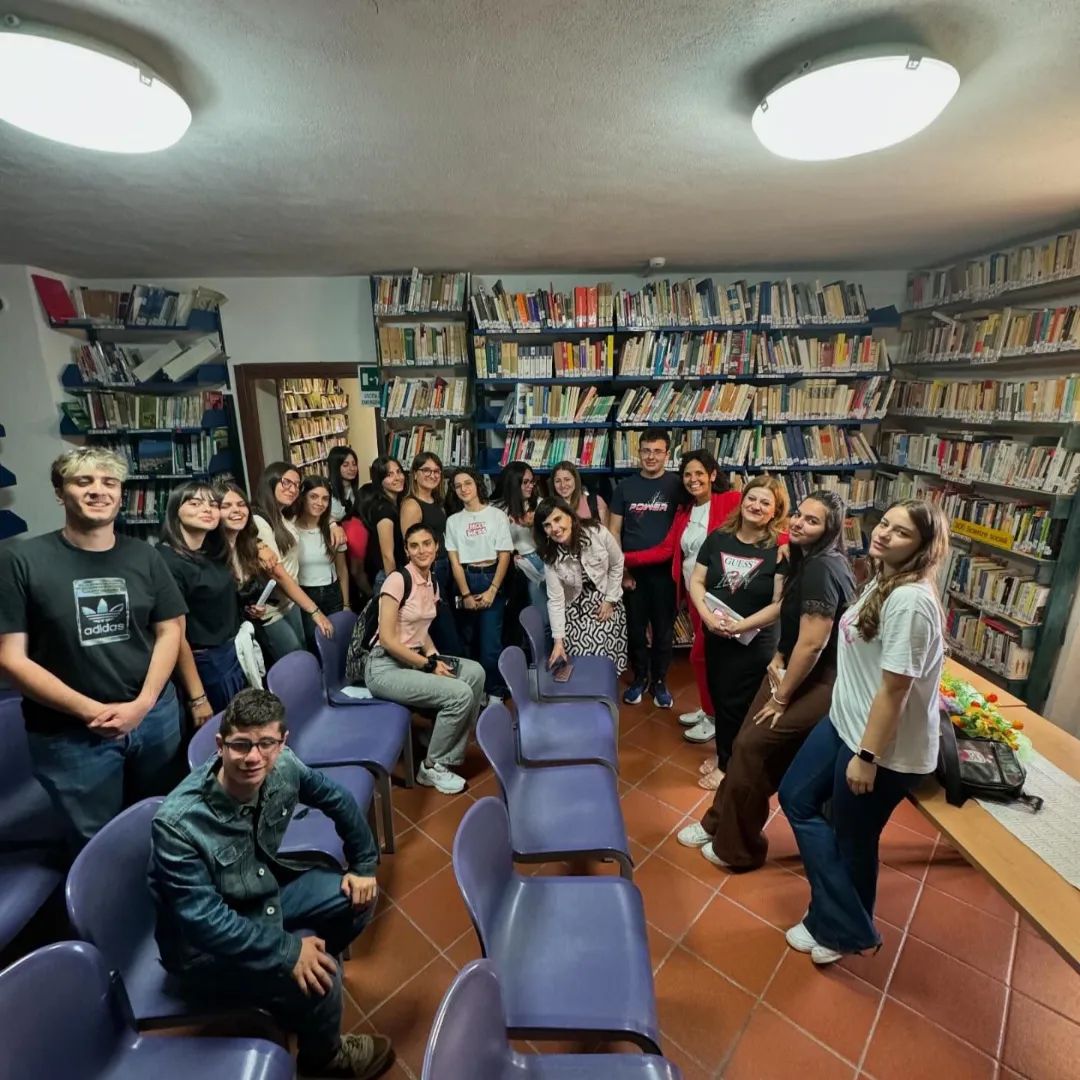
(382, 510)
(647, 509)
(825, 586)
(741, 575)
(88, 616)
(209, 590)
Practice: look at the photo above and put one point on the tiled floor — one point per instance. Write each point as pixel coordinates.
(960, 988)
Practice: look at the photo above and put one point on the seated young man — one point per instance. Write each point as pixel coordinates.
(229, 908)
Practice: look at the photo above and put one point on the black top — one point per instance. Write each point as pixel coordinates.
(433, 515)
(825, 587)
(88, 616)
(382, 510)
(647, 509)
(742, 576)
(209, 590)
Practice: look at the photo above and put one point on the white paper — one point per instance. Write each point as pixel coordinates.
(265, 594)
(361, 692)
(720, 608)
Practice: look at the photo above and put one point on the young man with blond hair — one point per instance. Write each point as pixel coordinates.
(90, 626)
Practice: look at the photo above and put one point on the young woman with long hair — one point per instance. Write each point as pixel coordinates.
(516, 496)
(583, 567)
(197, 555)
(795, 692)
(479, 546)
(343, 472)
(379, 510)
(704, 506)
(566, 484)
(323, 572)
(880, 737)
(740, 564)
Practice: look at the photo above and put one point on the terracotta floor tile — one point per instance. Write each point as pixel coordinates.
(1040, 973)
(737, 943)
(771, 1046)
(691, 859)
(657, 738)
(688, 756)
(443, 824)
(951, 873)
(833, 1006)
(782, 847)
(771, 892)
(689, 1068)
(875, 968)
(905, 850)
(387, 954)
(959, 998)
(406, 1018)
(896, 895)
(1040, 1044)
(673, 786)
(635, 763)
(417, 858)
(984, 943)
(906, 1046)
(909, 815)
(466, 948)
(673, 899)
(659, 945)
(629, 719)
(416, 803)
(476, 765)
(647, 820)
(484, 788)
(700, 1009)
(438, 909)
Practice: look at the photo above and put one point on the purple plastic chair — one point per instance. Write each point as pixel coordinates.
(468, 1038)
(375, 736)
(27, 817)
(309, 830)
(558, 812)
(550, 733)
(594, 678)
(27, 879)
(332, 654)
(571, 953)
(64, 1016)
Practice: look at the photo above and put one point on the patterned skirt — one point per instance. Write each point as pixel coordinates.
(586, 635)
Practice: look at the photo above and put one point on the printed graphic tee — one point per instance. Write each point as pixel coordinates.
(88, 616)
(647, 509)
(478, 535)
(742, 576)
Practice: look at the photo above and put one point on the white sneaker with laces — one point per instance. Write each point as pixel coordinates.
(798, 937)
(701, 732)
(822, 956)
(442, 779)
(693, 835)
(690, 719)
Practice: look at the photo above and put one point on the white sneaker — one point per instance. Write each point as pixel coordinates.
(689, 719)
(711, 856)
(701, 732)
(798, 937)
(693, 835)
(440, 778)
(822, 956)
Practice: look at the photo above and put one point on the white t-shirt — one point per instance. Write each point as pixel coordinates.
(697, 529)
(522, 536)
(909, 642)
(291, 562)
(316, 567)
(478, 536)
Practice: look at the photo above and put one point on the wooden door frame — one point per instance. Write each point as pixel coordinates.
(245, 377)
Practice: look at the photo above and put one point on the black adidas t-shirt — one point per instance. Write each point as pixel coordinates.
(88, 616)
(741, 575)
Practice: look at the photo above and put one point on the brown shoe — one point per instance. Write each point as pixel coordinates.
(359, 1057)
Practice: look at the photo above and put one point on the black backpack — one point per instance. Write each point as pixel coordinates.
(366, 631)
(975, 768)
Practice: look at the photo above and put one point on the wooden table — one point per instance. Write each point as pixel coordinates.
(1030, 884)
(1005, 700)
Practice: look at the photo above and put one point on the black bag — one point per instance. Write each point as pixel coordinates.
(970, 767)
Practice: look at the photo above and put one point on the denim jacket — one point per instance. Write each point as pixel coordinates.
(213, 861)
(601, 558)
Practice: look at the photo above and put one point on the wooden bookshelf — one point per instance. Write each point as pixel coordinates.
(314, 419)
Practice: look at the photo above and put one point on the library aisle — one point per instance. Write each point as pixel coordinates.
(960, 988)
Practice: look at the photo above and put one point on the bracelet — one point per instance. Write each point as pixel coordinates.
(197, 700)
(314, 611)
(779, 701)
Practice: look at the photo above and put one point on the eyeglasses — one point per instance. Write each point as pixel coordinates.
(653, 453)
(202, 500)
(430, 472)
(291, 485)
(242, 747)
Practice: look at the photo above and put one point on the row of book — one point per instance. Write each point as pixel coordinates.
(719, 402)
(310, 455)
(1007, 524)
(824, 399)
(1049, 259)
(120, 365)
(1050, 469)
(450, 441)
(423, 345)
(405, 294)
(107, 410)
(585, 307)
(587, 449)
(986, 337)
(996, 588)
(405, 397)
(300, 396)
(183, 455)
(308, 427)
(988, 642)
(562, 359)
(1044, 400)
(555, 404)
(714, 352)
(144, 504)
(141, 305)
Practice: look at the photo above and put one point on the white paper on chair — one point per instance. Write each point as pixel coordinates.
(1051, 831)
(361, 692)
(718, 607)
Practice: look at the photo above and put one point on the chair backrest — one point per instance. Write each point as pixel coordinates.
(296, 679)
(468, 1037)
(483, 863)
(532, 622)
(332, 651)
(108, 895)
(26, 811)
(514, 669)
(495, 734)
(203, 745)
(61, 1014)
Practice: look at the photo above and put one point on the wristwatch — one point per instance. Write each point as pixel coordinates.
(867, 755)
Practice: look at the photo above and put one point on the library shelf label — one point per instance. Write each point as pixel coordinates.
(998, 538)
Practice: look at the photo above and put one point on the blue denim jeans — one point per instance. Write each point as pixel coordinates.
(282, 636)
(444, 630)
(221, 674)
(311, 901)
(90, 779)
(482, 630)
(840, 854)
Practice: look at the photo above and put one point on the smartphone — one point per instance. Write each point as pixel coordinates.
(452, 662)
(563, 671)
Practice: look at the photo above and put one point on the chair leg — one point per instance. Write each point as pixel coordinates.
(626, 867)
(410, 760)
(374, 826)
(387, 813)
(614, 718)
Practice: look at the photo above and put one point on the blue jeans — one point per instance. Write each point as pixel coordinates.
(482, 630)
(221, 674)
(840, 855)
(311, 901)
(90, 779)
(444, 630)
(282, 636)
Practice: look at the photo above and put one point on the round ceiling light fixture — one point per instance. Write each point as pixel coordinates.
(74, 90)
(854, 102)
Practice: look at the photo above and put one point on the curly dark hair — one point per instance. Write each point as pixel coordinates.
(252, 708)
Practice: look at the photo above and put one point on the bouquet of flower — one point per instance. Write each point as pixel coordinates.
(977, 717)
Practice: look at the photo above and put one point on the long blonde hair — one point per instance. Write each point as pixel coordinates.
(779, 520)
(933, 528)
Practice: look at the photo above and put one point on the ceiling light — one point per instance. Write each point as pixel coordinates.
(69, 88)
(854, 102)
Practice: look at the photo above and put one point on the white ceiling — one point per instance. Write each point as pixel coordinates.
(345, 136)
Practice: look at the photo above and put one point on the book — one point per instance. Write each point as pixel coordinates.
(720, 608)
(55, 298)
(414, 292)
(202, 352)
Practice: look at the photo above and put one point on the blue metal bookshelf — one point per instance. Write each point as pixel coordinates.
(10, 522)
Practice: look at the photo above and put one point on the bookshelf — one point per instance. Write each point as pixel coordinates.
(314, 419)
(10, 522)
(422, 346)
